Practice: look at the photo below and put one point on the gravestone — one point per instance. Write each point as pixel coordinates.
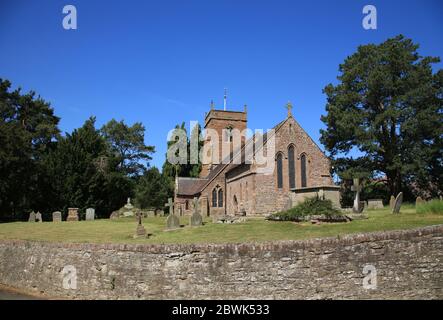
(356, 187)
(150, 213)
(140, 231)
(31, 217)
(398, 202)
(114, 215)
(172, 222)
(392, 202)
(38, 217)
(419, 201)
(72, 214)
(56, 216)
(375, 204)
(90, 214)
(196, 218)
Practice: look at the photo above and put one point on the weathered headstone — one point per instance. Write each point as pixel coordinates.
(72, 214)
(114, 215)
(392, 202)
(196, 218)
(90, 214)
(38, 217)
(172, 222)
(140, 231)
(398, 202)
(56, 216)
(31, 217)
(419, 201)
(375, 204)
(356, 187)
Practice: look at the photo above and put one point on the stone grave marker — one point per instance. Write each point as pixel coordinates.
(196, 219)
(56, 216)
(140, 231)
(172, 222)
(375, 204)
(114, 215)
(72, 214)
(392, 202)
(398, 202)
(356, 187)
(90, 214)
(419, 201)
(38, 217)
(31, 217)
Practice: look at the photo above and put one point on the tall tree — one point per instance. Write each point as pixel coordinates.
(82, 173)
(388, 106)
(28, 130)
(128, 144)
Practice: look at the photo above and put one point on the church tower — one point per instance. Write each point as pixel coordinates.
(221, 122)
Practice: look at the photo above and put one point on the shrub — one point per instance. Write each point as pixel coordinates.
(434, 206)
(311, 206)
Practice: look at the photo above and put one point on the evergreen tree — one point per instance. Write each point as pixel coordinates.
(388, 106)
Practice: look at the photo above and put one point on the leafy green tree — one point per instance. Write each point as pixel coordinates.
(28, 130)
(82, 173)
(388, 106)
(184, 170)
(152, 189)
(128, 145)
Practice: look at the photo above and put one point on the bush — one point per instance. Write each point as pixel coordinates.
(310, 207)
(434, 206)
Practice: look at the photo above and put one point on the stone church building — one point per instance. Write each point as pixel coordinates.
(300, 170)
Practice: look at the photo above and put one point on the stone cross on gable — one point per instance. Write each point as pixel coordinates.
(289, 107)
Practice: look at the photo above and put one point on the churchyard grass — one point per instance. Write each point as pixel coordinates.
(254, 229)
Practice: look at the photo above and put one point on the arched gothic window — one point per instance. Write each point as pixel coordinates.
(303, 171)
(291, 166)
(279, 171)
(220, 197)
(214, 198)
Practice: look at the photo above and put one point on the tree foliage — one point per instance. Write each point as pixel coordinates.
(388, 107)
(127, 142)
(44, 171)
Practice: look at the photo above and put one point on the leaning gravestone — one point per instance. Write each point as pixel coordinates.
(419, 201)
(31, 217)
(392, 202)
(398, 202)
(72, 214)
(56, 216)
(172, 222)
(38, 217)
(196, 218)
(90, 214)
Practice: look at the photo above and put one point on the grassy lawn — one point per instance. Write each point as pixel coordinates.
(255, 229)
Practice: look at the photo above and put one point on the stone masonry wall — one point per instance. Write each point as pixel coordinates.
(409, 264)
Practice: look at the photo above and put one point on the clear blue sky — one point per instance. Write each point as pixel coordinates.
(161, 62)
